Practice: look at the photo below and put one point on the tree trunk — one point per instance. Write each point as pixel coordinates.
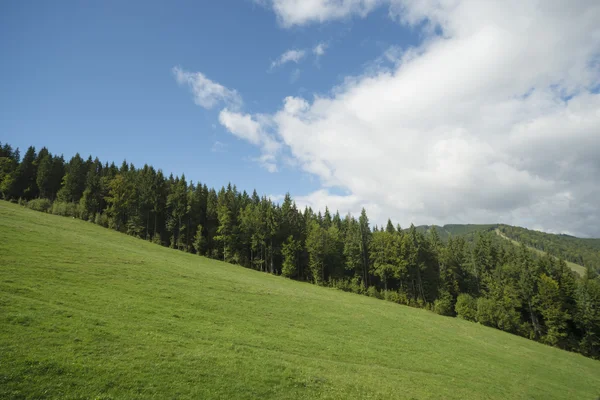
(187, 237)
(147, 224)
(534, 321)
(155, 223)
(420, 284)
(271, 255)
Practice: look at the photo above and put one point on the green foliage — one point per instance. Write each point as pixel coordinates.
(43, 205)
(588, 316)
(443, 305)
(385, 255)
(550, 305)
(318, 247)
(585, 252)
(65, 209)
(373, 292)
(101, 219)
(9, 161)
(73, 182)
(290, 253)
(466, 307)
(24, 184)
(486, 311)
(199, 244)
(120, 201)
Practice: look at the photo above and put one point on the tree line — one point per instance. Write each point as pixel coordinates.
(486, 281)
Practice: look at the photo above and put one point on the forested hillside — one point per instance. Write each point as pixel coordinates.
(580, 251)
(471, 232)
(480, 280)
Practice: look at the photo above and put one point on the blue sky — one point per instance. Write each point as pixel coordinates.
(422, 111)
(96, 78)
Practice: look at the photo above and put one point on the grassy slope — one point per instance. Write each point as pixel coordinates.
(86, 312)
(575, 267)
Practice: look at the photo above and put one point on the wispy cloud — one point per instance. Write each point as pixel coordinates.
(218, 147)
(207, 93)
(295, 75)
(253, 129)
(250, 128)
(319, 50)
(294, 55)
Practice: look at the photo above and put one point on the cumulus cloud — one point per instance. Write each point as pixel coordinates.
(299, 12)
(241, 125)
(206, 93)
(293, 55)
(493, 118)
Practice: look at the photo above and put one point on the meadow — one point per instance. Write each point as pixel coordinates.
(87, 312)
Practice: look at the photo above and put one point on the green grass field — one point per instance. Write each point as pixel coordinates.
(88, 313)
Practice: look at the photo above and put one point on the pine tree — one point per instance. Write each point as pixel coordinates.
(120, 201)
(199, 241)
(44, 175)
(390, 227)
(352, 247)
(588, 316)
(384, 255)
(73, 183)
(9, 161)
(25, 185)
(316, 245)
(290, 250)
(177, 203)
(365, 238)
(225, 231)
(91, 200)
(549, 304)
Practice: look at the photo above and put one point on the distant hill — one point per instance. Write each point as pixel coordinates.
(583, 252)
(579, 253)
(467, 231)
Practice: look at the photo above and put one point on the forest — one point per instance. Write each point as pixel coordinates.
(481, 280)
(580, 251)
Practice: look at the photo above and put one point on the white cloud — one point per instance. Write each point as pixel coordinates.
(299, 12)
(268, 162)
(207, 93)
(493, 120)
(241, 125)
(319, 49)
(294, 55)
(252, 129)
